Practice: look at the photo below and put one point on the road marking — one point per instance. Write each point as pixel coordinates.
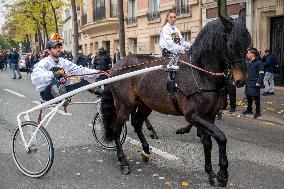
(154, 150)
(15, 93)
(58, 111)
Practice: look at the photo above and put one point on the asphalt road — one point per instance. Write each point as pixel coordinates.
(255, 149)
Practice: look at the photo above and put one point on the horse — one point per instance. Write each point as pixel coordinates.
(217, 53)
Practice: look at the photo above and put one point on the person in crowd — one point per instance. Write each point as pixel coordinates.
(231, 90)
(116, 56)
(171, 40)
(254, 81)
(34, 59)
(28, 63)
(269, 63)
(81, 59)
(49, 73)
(6, 60)
(102, 60)
(2, 57)
(89, 60)
(15, 63)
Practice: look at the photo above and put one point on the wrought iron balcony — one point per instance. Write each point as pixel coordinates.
(131, 20)
(99, 13)
(184, 9)
(84, 19)
(153, 15)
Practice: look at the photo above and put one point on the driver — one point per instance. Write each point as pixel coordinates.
(49, 73)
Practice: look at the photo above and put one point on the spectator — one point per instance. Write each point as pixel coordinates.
(269, 63)
(28, 63)
(81, 59)
(116, 56)
(254, 81)
(102, 60)
(15, 63)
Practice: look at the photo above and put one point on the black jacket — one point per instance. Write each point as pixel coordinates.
(102, 62)
(255, 74)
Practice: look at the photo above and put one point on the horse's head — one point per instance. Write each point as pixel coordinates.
(237, 40)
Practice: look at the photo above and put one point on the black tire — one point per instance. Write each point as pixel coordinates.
(98, 132)
(37, 161)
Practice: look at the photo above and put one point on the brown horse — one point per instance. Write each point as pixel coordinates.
(219, 48)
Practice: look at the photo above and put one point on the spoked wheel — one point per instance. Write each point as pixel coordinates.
(37, 160)
(99, 133)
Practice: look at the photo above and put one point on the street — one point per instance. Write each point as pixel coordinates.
(255, 149)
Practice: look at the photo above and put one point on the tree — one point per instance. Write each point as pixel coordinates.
(75, 27)
(121, 28)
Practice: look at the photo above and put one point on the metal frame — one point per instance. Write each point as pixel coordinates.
(63, 98)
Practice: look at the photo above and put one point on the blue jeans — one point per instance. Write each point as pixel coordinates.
(15, 68)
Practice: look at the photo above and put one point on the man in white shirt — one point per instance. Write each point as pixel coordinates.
(49, 73)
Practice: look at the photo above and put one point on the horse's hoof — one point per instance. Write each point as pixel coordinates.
(183, 130)
(153, 135)
(145, 157)
(212, 179)
(222, 181)
(125, 170)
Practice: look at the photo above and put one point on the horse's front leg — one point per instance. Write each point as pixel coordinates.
(207, 146)
(220, 138)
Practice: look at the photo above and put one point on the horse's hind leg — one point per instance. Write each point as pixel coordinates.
(122, 116)
(137, 120)
(151, 129)
(220, 138)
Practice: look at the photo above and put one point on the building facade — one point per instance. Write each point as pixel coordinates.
(67, 30)
(144, 20)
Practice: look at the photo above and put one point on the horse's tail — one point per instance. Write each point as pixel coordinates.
(108, 113)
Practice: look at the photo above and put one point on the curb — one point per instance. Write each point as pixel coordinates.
(262, 117)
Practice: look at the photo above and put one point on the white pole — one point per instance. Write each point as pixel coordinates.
(93, 85)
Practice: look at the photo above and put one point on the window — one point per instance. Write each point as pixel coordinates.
(154, 13)
(70, 36)
(65, 37)
(131, 11)
(182, 7)
(154, 5)
(99, 10)
(113, 8)
(186, 36)
(84, 12)
(154, 42)
(132, 45)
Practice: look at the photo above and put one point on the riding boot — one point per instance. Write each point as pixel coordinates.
(58, 89)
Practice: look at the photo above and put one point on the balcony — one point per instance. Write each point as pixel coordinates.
(152, 16)
(184, 9)
(99, 13)
(131, 20)
(84, 19)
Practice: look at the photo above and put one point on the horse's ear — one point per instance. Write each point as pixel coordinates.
(242, 16)
(227, 23)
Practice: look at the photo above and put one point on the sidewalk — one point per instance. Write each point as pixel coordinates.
(272, 107)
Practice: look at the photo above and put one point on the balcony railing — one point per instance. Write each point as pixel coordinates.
(153, 15)
(184, 9)
(84, 19)
(131, 20)
(99, 13)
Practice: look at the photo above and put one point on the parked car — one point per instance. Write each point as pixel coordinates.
(22, 62)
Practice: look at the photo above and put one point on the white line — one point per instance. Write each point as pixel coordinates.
(154, 150)
(59, 111)
(15, 93)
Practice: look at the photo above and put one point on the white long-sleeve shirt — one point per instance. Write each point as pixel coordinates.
(172, 40)
(42, 76)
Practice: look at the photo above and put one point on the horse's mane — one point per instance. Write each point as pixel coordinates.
(210, 40)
